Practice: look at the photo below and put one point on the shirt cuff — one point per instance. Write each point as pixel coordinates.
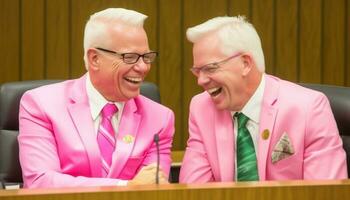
(122, 183)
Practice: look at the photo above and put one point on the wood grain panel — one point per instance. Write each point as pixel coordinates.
(240, 7)
(347, 50)
(333, 42)
(177, 156)
(195, 12)
(9, 40)
(310, 41)
(57, 39)
(263, 21)
(33, 46)
(286, 39)
(170, 64)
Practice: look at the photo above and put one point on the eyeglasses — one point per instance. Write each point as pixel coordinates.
(212, 67)
(132, 58)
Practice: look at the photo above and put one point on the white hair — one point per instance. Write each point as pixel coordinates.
(96, 29)
(236, 35)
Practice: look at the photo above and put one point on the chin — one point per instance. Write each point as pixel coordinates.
(131, 95)
(221, 106)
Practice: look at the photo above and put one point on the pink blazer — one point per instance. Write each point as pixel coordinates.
(58, 146)
(302, 114)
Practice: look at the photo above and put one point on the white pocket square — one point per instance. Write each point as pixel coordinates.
(283, 149)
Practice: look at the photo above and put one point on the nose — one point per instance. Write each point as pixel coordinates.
(141, 66)
(202, 79)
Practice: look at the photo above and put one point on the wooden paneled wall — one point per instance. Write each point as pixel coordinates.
(303, 41)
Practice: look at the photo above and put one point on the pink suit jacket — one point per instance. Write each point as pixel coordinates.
(304, 115)
(58, 146)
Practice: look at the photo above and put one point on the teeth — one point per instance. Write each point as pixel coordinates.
(134, 79)
(212, 90)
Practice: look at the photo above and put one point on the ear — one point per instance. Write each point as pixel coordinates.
(93, 59)
(248, 64)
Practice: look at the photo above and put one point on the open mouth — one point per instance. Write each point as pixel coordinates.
(133, 80)
(214, 91)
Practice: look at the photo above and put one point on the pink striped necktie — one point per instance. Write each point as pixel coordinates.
(106, 137)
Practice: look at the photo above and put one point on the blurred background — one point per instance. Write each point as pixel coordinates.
(303, 41)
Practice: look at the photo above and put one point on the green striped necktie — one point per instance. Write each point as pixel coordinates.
(247, 168)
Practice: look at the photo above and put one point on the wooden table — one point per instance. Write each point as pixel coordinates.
(268, 190)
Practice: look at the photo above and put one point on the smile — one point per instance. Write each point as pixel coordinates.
(214, 91)
(133, 80)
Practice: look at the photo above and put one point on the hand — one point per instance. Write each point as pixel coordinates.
(147, 175)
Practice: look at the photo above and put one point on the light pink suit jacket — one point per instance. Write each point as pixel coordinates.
(58, 146)
(303, 114)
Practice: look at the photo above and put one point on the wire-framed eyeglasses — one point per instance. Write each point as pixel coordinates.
(211, 68)
(132, 58)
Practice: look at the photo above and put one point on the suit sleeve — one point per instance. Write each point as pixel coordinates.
(195, 165)
(165, 142)
(38, 152)
(324, 156)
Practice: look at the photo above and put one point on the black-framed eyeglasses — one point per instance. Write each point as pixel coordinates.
(132, 58)
(211, 68)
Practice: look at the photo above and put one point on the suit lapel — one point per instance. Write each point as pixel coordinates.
(79, 111)
(129, 124)
(267, 121)
(224, 142)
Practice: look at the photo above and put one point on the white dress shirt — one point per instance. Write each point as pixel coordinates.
(252, 110)
(97, 102)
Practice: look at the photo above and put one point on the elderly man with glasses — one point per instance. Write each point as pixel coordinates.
(98, 130)
(250, 126)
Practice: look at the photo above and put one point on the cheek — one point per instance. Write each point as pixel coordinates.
(225, 79)
(117, 73)
(232, 85)
(118, 77)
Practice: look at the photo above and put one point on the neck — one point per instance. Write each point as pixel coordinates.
(252, 83)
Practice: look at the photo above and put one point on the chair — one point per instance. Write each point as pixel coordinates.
(339, 98)
(10, 95)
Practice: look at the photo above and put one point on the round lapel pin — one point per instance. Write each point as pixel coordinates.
(128, 139)
(265, 134)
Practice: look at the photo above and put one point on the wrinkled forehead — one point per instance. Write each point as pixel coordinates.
(207, 50)
(128, 38)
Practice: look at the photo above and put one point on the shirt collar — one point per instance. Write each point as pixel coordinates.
(252, 108)
(97, 101)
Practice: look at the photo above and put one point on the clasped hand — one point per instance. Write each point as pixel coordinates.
(147, 175)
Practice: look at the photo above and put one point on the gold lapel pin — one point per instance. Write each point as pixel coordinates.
(128, 139)
(265, 134)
